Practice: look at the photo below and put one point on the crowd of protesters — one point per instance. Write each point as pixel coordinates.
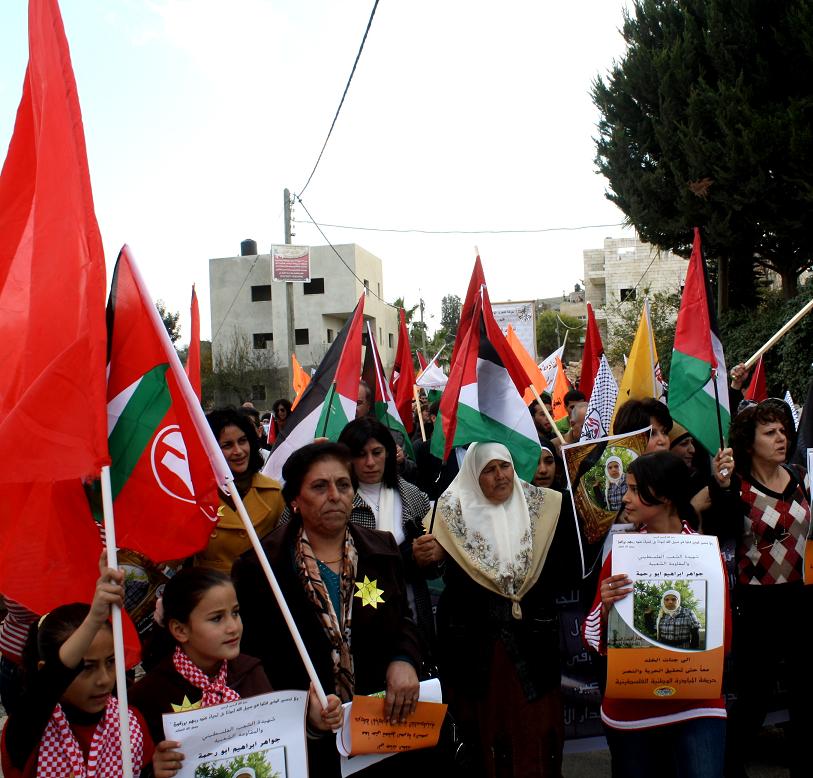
(496, 548)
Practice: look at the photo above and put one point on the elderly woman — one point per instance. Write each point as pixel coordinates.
(498, 631)
(345, 588)
(765, 504)
(261, 495)
(385, 501)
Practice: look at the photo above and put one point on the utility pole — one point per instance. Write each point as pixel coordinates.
(423, 330)
(289, 299)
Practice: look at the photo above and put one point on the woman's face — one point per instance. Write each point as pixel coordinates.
(90, 689)
(545, 470)
(685, 450)
(497, 480)
(325, 498)
(235, 447)
(670, 602)
(770, 443)
(541, 421)
(638, 512)
(213, 630)
(369, 464)
(614, 469)
(658, 438)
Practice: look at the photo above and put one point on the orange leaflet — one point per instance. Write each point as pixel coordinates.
(372, 733)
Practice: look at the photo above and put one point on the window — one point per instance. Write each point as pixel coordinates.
(261, 338)
(366, 286)
(365, 338)
(380, 336)
(379, 291)
(390, 339)
(627, 294)
(301, 337)
(261, 294)
(330, 336)
(314, 286)
(258, 393)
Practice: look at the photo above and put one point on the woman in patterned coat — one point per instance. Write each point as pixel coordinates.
(498, 630)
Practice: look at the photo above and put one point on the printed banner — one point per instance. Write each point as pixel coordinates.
(248, 738)
(666, 639)
(522, 317)
(291, 263)
(597, 482)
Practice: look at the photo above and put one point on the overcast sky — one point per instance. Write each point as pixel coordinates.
(462, 115)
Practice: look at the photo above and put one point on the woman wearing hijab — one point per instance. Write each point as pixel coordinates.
(676, 625)
(498, 630)
(615, 485)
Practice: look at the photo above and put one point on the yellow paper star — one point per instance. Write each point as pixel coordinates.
(185, 705)
(369, 593)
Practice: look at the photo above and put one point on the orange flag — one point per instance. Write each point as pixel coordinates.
(193, 357)
(535, 376)
(301, 380)
(561, 386)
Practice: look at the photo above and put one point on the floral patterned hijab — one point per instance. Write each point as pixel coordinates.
(501, 546)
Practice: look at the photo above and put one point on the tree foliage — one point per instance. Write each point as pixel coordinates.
(647, 600)
(170, 319)
(707, 120)
(238, 368)
(551, 327)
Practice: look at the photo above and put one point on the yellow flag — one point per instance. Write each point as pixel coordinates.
(535, 376)
(642, 375)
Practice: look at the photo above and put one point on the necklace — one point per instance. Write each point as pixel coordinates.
(330, 561)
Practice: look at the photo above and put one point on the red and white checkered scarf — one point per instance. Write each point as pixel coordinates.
(60, 754)
(214, 689)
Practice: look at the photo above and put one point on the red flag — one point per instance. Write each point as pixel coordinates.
(163, 451)
(193, 357)
(758, 389)
(402, 379)
(52, 277)
(476, 282)
(421, 359)
(591, 357)
(53, 427)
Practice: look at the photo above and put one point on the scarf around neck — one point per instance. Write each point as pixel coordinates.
(60, 754)
(215, 690)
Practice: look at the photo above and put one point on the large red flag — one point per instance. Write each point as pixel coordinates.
(164, 454)
(53, 426)
(402, 379)
(591, 357)
(52, 278)
(193, 357)
(476, 282)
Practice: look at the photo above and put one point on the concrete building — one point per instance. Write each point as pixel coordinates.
(623, 269)
(249, 319)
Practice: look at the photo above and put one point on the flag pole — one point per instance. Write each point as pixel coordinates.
(118, 630)
(778, 335)
(280, 598)
(717, 406)
(550, 418)
(418, 412)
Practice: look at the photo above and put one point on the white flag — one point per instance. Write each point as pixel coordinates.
(548, 366)
(602, 403)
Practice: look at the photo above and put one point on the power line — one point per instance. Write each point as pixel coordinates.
(234, 300)
(465, 232)
(341, 102)
(341, 258)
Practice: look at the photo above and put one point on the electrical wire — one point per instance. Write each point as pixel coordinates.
(464, 232)
(226, 317)
(341, 102)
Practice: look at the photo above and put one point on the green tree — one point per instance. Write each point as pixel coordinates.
(409, 313)
(239, 368)
(623, 318)
(170, 319)
(706, 120)
(551, 327)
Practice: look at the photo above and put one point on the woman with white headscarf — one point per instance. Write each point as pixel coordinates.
(675, 624)
(498, 630)
(615, 485)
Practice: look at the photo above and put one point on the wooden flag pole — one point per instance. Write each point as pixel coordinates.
(118, 630)
(752, 360)
(280, 598)
(418, 411)
(550, 418)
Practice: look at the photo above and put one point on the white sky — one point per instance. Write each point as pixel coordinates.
(463, 114)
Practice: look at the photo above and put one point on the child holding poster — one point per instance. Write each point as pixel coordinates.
(200, 614)
(644, 735)
(67, 719)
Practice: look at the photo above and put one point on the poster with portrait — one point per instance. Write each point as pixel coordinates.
(809, 543)
(666, 639)
(597, 481)
(255, 737)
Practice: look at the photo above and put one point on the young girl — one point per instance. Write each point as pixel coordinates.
(202, 617)
(646, 735)
(67, 720)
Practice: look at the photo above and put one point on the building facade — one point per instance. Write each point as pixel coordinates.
(249, 318)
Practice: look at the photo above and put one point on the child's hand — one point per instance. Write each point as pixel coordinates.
(324, 719)
(166, 761)
(614, 588)
(109, 591)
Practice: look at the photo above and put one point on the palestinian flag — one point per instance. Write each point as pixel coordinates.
(698, 363)
(384, 407)
(476, 283)
(166, 466)
(328, 402)
(591, 356)
(402, 379)
(483, 398)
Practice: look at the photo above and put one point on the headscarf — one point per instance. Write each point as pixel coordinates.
(664, 611)
(501, 546)
(611, 480)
